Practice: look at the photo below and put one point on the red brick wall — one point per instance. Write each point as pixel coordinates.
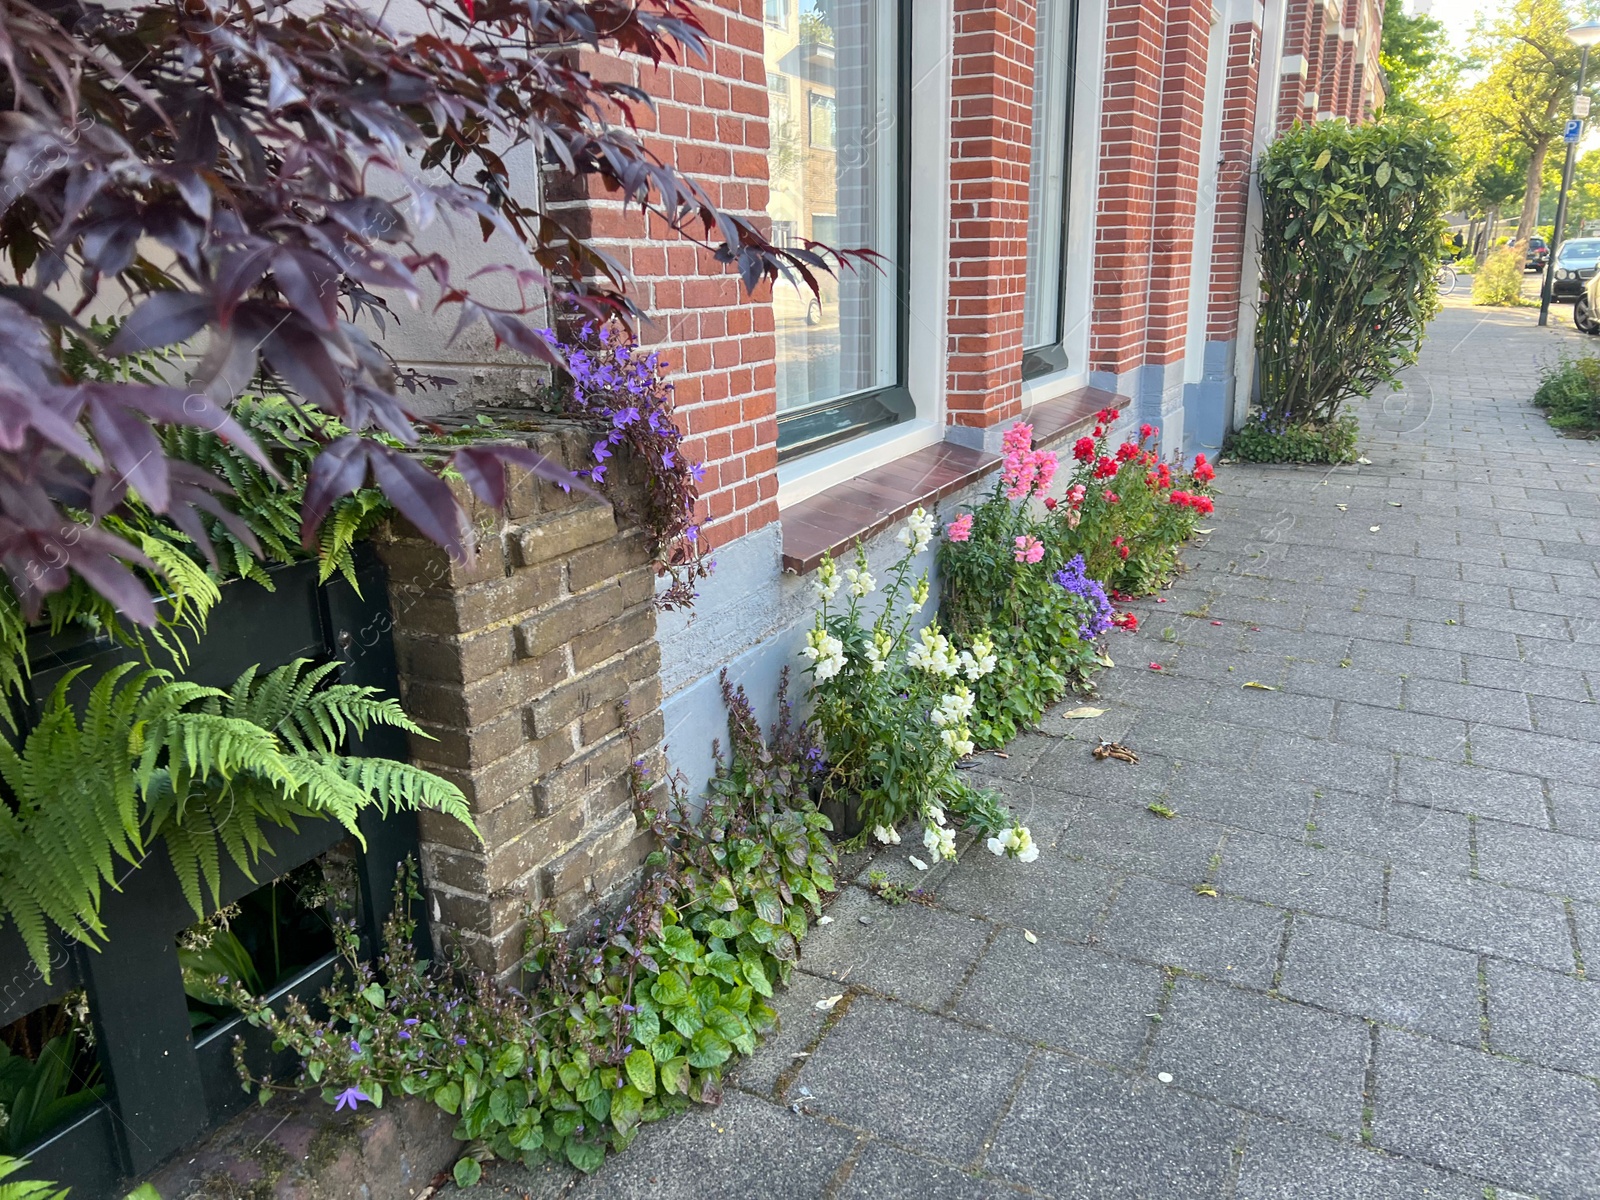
(990, 135)
(710, 122)
(1183, 89)
(1125, 203)
(1236, 148)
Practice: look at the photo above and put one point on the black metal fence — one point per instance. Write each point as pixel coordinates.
(165, 1086)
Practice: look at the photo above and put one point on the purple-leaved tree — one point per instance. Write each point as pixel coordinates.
(247, 181)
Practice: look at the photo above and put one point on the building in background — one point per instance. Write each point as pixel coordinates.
(1061, 191)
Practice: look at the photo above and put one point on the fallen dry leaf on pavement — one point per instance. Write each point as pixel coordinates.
(1030, 935)
(1261, 687)
(827, 1005)
(1115, 750)
(1082, 713)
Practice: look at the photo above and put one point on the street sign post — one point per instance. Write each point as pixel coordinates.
(1580, 106)
(1573, 131)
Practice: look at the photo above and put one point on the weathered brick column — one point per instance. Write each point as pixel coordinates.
(518, 664)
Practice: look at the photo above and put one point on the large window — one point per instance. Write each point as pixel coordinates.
(838, 167)
(1048, 187)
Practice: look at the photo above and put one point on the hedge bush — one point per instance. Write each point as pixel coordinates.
(1569, 394)
(1352, 234)
(1499, 280)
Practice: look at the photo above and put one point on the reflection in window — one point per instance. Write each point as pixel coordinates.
(777, 13)
(1047, 181)
(837, 181)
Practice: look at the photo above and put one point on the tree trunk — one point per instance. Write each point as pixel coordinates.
(1530, 197)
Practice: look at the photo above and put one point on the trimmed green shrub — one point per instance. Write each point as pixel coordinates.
(1325, 442)
(1569, 394)
(1352, 232)
(1499, 280)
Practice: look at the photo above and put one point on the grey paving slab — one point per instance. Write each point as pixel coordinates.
(1075, 1129)
(1135, 839)
(1327, 764)
(1392, 832)
(1533, 858)
(1477, 915)
(1523, 1126)
(1550, 1019)
(1397, 980)
(1287, 1162)
(1491, 706)
(916, 1079)
(1171, 925)
(1054, 894)
(1290, 874)
(1452, 787)
(1404, 732)
(909, 951)
(1264, 1054)
(1576, 808)
(883, 1170)
(1280, 807)
(1064, 996)
(747, 1147)
(1535, 753)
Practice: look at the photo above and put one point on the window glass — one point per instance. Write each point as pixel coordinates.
(835, 170)
(1047, 180)
(777, 13)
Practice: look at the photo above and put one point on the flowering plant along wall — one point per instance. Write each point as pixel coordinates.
(893, 706)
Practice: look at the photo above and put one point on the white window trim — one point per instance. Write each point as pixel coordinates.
(1083, 175)
(927, 315)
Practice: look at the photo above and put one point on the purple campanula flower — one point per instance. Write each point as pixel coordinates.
(350, 1098)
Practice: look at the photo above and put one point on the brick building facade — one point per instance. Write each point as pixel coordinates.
(1062, 190)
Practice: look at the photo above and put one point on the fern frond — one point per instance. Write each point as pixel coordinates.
(398, 785)
(25, 1189)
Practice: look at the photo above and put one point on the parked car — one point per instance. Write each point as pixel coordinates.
(1537, 254)
(1575, 264)
(1586, 308)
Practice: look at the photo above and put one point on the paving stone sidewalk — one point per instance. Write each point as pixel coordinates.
(1352, 965)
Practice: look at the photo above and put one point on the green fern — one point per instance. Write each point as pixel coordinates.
(25, 1189)
(209, 771)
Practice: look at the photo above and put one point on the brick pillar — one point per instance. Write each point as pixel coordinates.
(991, 137)
(1234, 179)
(1183, 89)
(711, 123)
(516, 666)
(1129, 131)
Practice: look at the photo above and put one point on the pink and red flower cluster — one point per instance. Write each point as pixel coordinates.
(1193, 499)
(1025, 471)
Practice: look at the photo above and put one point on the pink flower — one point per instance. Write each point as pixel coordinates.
(960, 529)
(1076, 493)
(1045, 464)
(1029, 549)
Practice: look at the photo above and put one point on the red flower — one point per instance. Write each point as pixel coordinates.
(1083, 449)
(1050, 503)
(1099, 431)
(1126, 621)
(1146, 431)
(1110, 497)
(1203, 503)
(1105, 468)
(1178, 497)
(1126, 451)
(1107, 415)
(1204, 472)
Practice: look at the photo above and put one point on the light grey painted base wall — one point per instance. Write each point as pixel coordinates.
(1208, 405)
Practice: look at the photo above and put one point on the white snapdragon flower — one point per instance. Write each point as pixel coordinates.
(936, 813)
(941, 843)
(980, 659)
(955, 739)
(1016, 842)
(877, 651)
(887, 834)
(933, 653)
(919, 596)
(827, 581)
(917, 531)
(826, 651)
(861, 581)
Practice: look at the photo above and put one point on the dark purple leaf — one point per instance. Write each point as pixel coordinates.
(421, 496)
(340, 469)
(164, 319)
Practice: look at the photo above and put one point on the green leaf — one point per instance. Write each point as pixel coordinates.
(722, 896)
(723, 965)
(641, 1068)
(1381, 175)
(1322, 160)
(680, 944)
(675, 1076)
(626, 1107)
(467, 1172)
(586, 1156)
(709, 1049)
(449, 1098)
(670, 989)
(755, 974)
(373, 995)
